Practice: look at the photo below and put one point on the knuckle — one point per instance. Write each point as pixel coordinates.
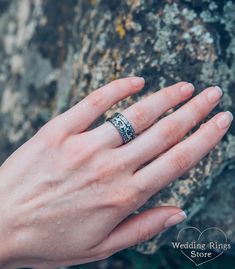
(140, 116)
(144, 233)
(96, 98)
(75, 156)
(181, 160)
(141, 189)
(105, 171)
(210, 133)
(197, 108)
(107, 168)
(123, 198)
(51, 134)
(171, 130)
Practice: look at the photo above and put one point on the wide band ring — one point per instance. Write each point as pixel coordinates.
(123, 126)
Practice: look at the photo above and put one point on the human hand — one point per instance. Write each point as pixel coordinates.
(66, 194)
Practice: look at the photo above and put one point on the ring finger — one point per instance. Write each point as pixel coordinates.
(144, 113)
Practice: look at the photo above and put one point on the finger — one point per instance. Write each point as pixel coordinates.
(142, 114)
(176, 161)
(141, 227)
(81, 116)
(171, 129)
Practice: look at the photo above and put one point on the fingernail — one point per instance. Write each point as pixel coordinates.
(137, 81)
(175, 219)
(187, 88)
(214, 94)
(224, 120)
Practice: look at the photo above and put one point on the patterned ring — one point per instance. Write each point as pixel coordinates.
(123, 126)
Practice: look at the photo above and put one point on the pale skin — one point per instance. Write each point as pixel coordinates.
(67, 193)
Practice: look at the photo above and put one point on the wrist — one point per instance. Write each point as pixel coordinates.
(12, 236)
(5, 249)
(6, 235)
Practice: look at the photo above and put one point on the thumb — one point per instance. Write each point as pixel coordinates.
(142, 227)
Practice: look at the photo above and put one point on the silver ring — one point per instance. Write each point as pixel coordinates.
(123, 126)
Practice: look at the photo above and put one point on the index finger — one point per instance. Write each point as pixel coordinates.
(78, 118)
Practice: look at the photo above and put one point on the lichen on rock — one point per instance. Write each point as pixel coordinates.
(54, 53)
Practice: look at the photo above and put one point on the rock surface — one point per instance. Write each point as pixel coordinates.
(53, 53)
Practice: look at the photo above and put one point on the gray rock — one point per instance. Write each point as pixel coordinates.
(53, 53)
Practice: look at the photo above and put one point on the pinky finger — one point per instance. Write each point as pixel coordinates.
(142, 227)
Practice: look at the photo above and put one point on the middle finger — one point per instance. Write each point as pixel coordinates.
(144, 113)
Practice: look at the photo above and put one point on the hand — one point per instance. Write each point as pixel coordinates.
(67, 193)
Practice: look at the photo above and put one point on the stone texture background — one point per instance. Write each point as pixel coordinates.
(55, 52)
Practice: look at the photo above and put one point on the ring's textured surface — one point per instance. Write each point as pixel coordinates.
(123, 126)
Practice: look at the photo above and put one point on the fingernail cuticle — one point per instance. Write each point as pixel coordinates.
(187, 88)
(137, 81)
(175, 219)
(219, 89)
(224, 120)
